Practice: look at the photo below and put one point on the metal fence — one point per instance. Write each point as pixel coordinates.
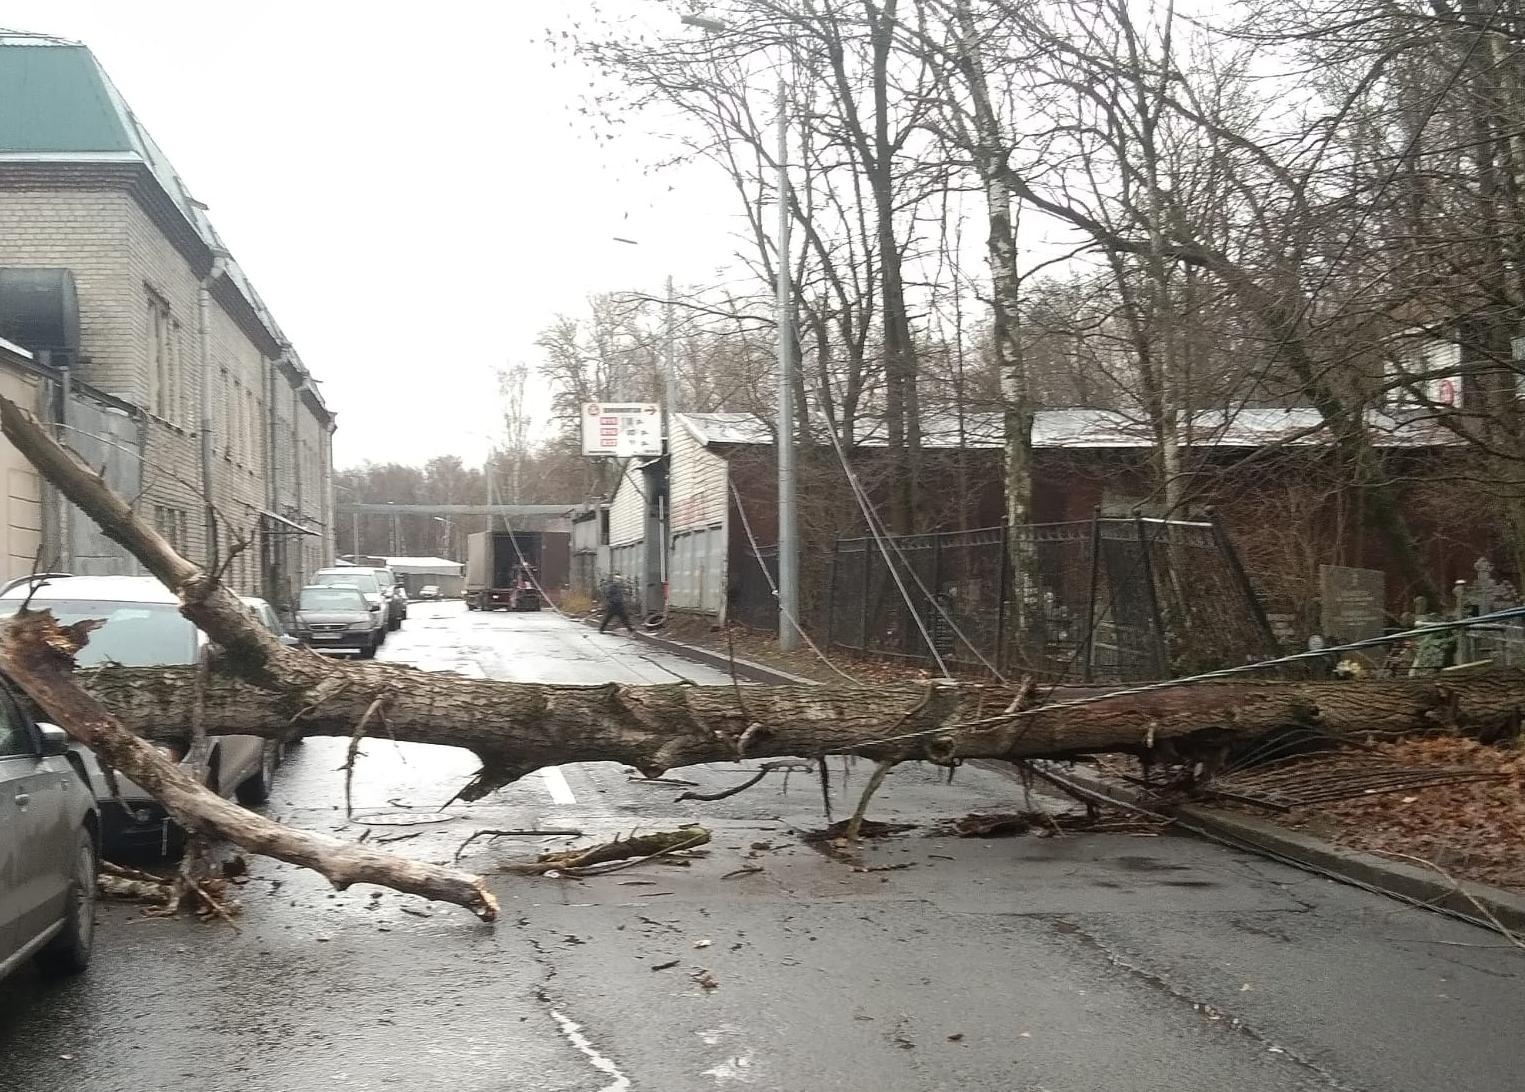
(1103, 599)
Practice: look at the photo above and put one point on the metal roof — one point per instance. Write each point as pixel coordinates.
(1083, 429)
(419, 566)
(57, 104)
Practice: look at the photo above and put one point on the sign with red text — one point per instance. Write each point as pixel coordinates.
(624, 430)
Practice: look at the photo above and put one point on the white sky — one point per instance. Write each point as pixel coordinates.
(409, 187)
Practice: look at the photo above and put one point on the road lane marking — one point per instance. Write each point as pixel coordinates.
(556, 785)
(573, 1032)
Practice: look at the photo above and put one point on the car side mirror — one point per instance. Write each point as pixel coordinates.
(375, 607)
(55, 741)
(289, 641)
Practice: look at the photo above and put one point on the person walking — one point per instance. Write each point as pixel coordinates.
(614, 604)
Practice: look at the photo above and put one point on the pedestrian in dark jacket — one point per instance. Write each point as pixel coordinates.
(614, 605)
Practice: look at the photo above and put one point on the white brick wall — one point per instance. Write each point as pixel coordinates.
(118, 257)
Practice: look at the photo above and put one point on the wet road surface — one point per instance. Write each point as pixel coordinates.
(1065, 964)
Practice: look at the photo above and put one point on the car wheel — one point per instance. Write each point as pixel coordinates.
(256, 787)
(394, 625)
(369, 651)
(69, 951)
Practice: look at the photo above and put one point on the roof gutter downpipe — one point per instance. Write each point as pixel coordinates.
(208, 453)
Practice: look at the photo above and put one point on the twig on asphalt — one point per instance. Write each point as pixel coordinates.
(1503, 930)
(763, 771)
(616, 866)
(396, 837)
(669, 926)
(562, 832)
(377, 709)
(661, 781)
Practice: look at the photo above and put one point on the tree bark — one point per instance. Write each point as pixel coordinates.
(260, 687)
(39, 656)
(515, 728)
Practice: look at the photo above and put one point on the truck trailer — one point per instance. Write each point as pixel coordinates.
(509, 570)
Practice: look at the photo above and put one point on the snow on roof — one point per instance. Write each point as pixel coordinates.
(1094, 428)
(422, 565)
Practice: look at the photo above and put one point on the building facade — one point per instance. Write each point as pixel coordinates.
(112, 275)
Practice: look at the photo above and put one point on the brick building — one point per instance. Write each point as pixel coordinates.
(112, 275)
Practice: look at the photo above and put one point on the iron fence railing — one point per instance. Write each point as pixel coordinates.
(1111, 599)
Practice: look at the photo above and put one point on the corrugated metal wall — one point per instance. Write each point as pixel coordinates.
(697, 525)
(109, 440)
(627, 510)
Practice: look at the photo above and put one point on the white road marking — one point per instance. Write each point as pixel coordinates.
(573, 1032)
(556, 785)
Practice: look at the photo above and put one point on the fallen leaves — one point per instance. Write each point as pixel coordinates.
(1474, 830)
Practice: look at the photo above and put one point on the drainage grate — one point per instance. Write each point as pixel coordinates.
(1298, 782)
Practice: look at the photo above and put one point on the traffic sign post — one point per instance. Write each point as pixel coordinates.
(622, 429)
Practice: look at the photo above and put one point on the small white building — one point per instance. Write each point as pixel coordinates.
(417, 573)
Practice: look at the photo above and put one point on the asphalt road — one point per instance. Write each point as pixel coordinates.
(1066, 964)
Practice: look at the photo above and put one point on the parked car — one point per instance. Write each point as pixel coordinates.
(144, 628)
(372, 586)
(49, 828)
(339, 618)
(429, 591)
(396, 594)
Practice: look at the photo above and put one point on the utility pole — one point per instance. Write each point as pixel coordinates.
(788, 528)
(670, 377)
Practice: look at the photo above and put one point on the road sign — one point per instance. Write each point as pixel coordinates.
(622, 429)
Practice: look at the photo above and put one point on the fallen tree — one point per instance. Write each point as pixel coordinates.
(260, 687)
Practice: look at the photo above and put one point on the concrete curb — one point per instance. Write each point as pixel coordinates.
(1406, 882)
(745, 669)
(749, 670)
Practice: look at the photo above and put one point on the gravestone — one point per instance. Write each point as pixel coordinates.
(1352, 601)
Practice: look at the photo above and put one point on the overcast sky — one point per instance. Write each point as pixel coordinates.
(409, 187)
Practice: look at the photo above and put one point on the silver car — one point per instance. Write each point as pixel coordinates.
(49, 830)
(143, 628)
(378, 595)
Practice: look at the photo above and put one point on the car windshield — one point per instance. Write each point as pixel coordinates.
(366, 582)
(330, 599)
(135, 634)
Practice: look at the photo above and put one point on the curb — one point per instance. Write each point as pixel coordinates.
(749, 670)
(1396, 879)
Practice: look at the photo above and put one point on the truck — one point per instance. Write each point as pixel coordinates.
(512, 570)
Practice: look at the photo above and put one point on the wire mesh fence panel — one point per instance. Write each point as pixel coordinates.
(1208, 618)
(1105, 599)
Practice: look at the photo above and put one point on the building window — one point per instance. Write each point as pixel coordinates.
(164, 372)
(173, 525)
(224, 413)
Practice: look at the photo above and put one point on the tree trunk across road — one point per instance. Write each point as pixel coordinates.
(260, 687)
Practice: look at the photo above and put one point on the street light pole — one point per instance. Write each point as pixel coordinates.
(670, 376)
(788, 527)
(788, 524)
